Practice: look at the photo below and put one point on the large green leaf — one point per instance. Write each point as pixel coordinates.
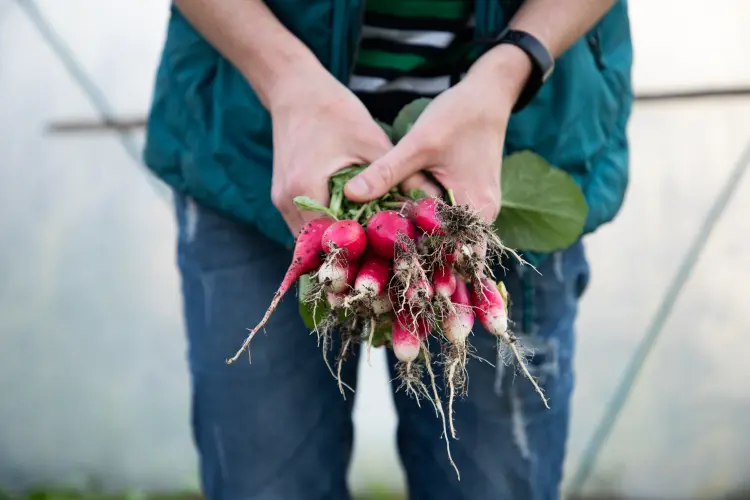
(406, 118)
(543, 209)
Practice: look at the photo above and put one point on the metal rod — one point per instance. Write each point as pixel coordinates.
(118, 124)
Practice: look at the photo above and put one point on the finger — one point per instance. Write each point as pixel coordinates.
(391, 169)
(283, 199)
(483, 197)
(293, 220)
(422, 182)
(318, 193)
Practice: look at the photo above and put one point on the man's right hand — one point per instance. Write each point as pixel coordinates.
(319, 127)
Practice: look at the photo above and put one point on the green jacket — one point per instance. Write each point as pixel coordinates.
(208, 135)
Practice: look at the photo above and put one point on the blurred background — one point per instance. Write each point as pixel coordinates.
(93, 379)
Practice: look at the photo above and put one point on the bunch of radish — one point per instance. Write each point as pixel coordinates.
(401, 272)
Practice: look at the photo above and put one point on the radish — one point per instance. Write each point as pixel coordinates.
(336, 274)
(381, 304)
(452, 257)
(423, 213)
(407, 334)
(336, 300)
(383, 230)
(444, 281)
(306, 258)
(373, 276)
(418, 293)
(458, 325)
(422, 243)
(347, 235)
(490, 307)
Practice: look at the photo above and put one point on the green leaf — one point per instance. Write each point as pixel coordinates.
(416, 194)
(312, 314)
(382, 333)
(310, 205)
(543, 209)
(407, 117)
(342, 176)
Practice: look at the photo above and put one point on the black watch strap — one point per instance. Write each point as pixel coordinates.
(542, 62)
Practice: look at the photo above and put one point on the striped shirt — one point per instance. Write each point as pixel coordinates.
(407, 50)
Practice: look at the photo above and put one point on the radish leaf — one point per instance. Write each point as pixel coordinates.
(416, 194)
(312, 314)
(543, 209)
(310, 205)
(406, 118)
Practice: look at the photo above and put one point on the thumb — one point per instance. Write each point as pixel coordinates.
(390, 170)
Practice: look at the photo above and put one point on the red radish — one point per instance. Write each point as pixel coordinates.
(351, 272)
(306, 258)
(452, 257)
(407, 334)
(489, 301)
(490, 307)
(336, 300)
(383, 230)
(458, 325)
(419, 292)
(373, 276)
(347, 235)
(422, 243)
(337, 274)
(405, 262)
(423, 213)
(381, 304)
(444, 281)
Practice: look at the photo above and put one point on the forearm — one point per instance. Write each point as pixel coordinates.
(248, 34)
(559, 23)
(556, 23)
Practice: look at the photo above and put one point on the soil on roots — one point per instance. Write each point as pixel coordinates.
(409, 269)
(410, 376)
(465, 226)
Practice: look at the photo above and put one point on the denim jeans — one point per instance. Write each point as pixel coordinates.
(279, 429)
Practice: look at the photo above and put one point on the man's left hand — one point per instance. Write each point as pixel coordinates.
(458, 138)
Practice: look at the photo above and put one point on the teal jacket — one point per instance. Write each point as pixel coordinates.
(208, 136)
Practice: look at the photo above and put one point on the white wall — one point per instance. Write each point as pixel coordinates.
(92, 372)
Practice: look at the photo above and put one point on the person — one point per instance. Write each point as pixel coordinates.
(258, 102)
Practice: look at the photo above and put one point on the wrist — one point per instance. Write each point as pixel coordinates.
(505, 68)
(276, 75)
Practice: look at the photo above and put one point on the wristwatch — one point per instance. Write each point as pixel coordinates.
(542, 62)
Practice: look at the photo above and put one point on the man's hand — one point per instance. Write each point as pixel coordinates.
(458, 138)
(319, 127)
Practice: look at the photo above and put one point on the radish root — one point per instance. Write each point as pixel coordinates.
(439, 405)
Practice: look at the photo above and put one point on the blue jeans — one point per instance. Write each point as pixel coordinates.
(279, 429)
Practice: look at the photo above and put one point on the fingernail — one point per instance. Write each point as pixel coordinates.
(358, 187)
